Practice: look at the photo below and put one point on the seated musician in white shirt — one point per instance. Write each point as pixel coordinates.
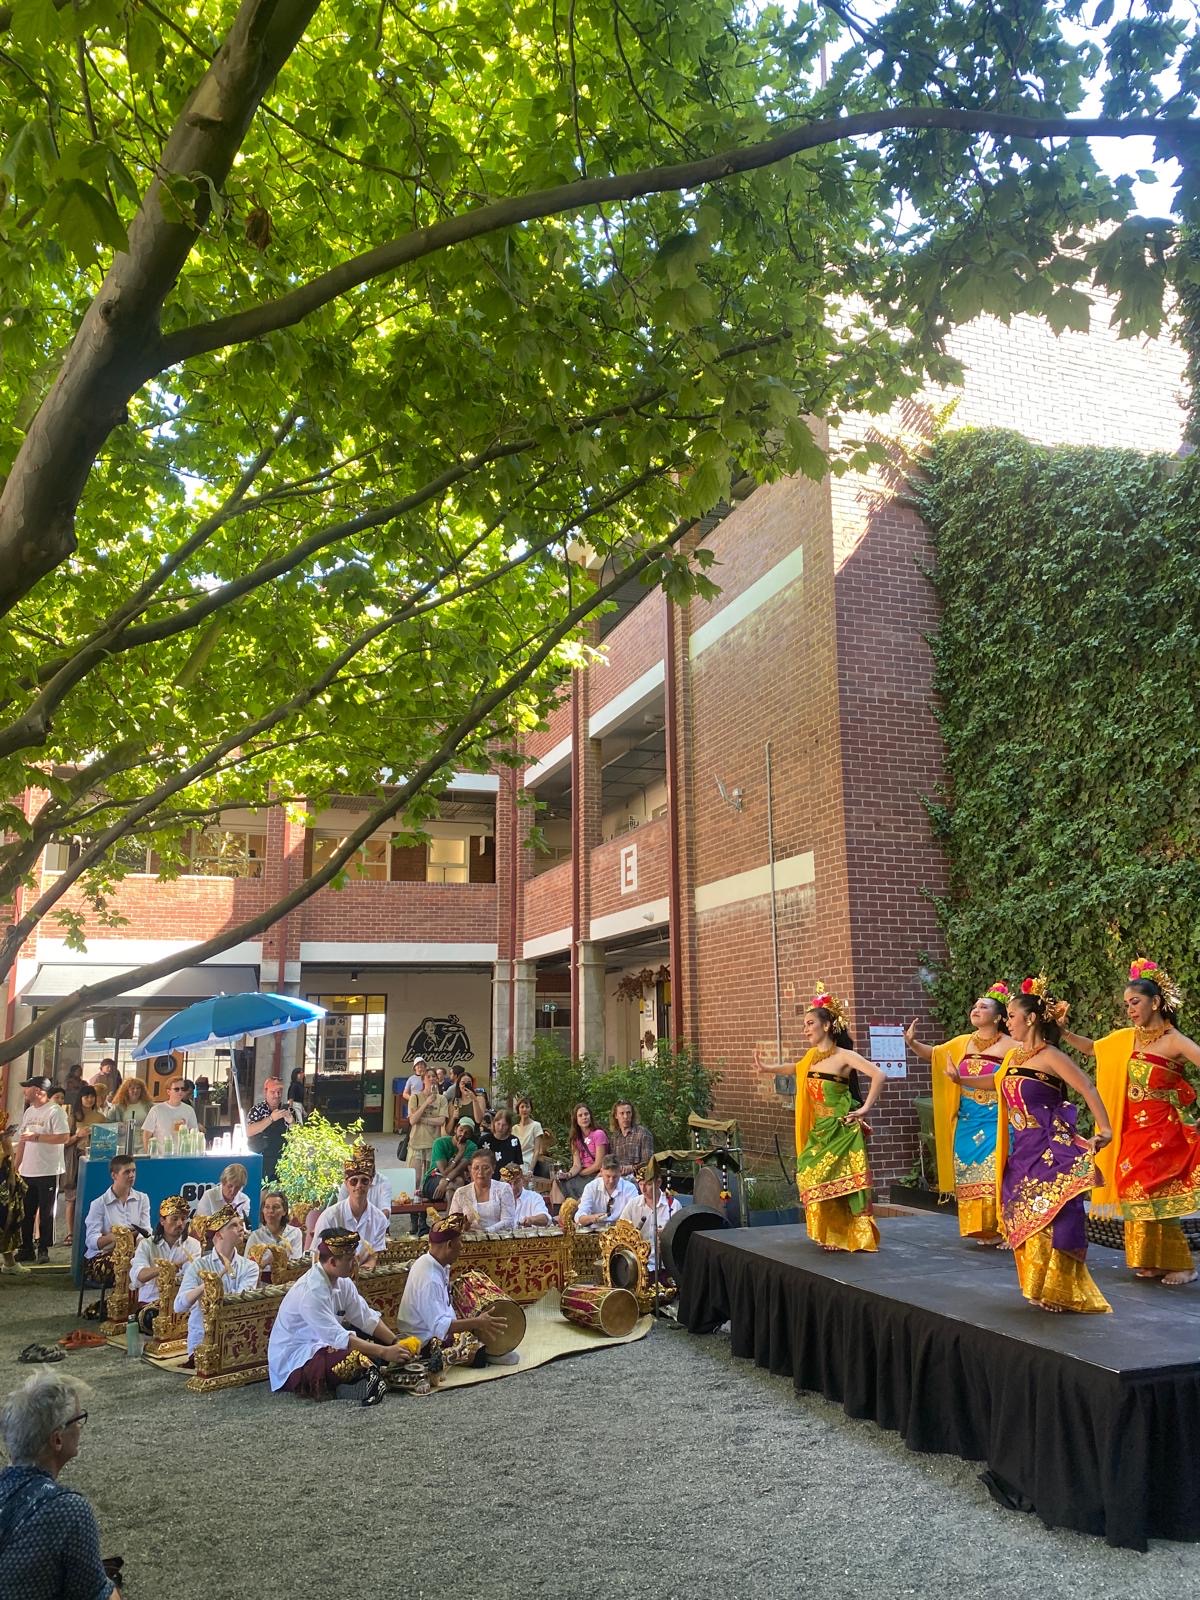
(356, 1214)
(641, 1210)
(380, 1192)
(529, 1207)
(274, 1228)
(120, 1206)
(168, 1243)
(604, 1197)
(486, 1204)
(225, 1232)
(326, 1335)
(426, 1312)
(229, 1190)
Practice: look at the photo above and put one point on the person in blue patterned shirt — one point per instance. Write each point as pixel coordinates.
(49, 1541)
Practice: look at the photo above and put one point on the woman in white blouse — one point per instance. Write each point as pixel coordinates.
(487, 1205)
(274, 1227)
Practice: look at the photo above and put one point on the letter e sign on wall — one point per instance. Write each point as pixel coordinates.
(628, 868)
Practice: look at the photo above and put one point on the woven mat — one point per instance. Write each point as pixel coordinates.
(548, 1336)
(163, 1363)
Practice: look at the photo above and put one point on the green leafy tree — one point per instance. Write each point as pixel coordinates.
(333, 332)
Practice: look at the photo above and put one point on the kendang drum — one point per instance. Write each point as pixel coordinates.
(610, 1311)
(472, 1293)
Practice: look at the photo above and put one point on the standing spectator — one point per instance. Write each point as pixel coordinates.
(82, 1115)
(131, 1104)
(167, 1117)
(632, 1144)
(41, 1136)
(103, 1095)
(295, 1092)
(73, 1083)
(49, 1541)
(533, 1138)
(502, 1141)
(426, 1113)
(12, 1204)
(412, 1085)
(111, 1074)
(471, 1099)
(268, 1121)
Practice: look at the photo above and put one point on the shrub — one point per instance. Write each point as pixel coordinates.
(313, 1160)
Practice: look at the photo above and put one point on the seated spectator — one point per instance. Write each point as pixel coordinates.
(450, 1160)
(427, 1109)
(642, 1208)
(225, 1233)
(529, 1209)
(316, 1346)
(131, 1104)
(169, 1242)
(356, 1214)
(604, 1198)
(274, 1227)
(380, 1192)
(486, 1204)
(49, 1541)
(502, 1141)
(168, 1117)
(632, 1144)
(12, 1203)
(532, 1137)
(229, 1190)
(588, 1145)
(120, 1206)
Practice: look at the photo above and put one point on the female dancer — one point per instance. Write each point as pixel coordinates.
(1043, 1167)
(1151, 1175)
(965, 1111)
(831, 1154)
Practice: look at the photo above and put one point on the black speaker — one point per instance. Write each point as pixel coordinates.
(673, 1241)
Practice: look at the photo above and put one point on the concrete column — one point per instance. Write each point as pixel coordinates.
(525, 1006)
(589, 978)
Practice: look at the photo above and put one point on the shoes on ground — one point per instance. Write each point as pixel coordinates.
(376, 1388)
(33, 1353)
(82, 1339)
(25, 1255)
(43, 1258)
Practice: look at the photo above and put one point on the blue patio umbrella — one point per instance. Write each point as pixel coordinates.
(227, 1016)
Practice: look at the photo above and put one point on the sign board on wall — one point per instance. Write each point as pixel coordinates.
(628, 868)
(889, 1052)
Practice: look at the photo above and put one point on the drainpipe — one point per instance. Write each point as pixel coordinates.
(774, 916)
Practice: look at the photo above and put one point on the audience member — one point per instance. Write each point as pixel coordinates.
(427, 1108)
(316, 1345)
(111, 1074)
(83, 1116)
(486, 1204)
(356, 1214)
(12, 1204)
(73, 1083)
(412, 1086)
(169, 1242)
(229, 1190)
(380, 1192)
(588, 1145)
(41, 1135)
(295, 1092)
(642, 1208)
(529, 1208)
(120, 1206)
(501, 1140)
(267, 1123)
(224, 1233)
(628, 1140)
(450, 1160)
(49, 1541)
(103, 1093)
(274, 1227)
(131, 1104)
(532, 1137)
(604, 1197)
(169, 1116)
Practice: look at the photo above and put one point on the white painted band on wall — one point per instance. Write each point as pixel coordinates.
(783, 573)
(317, 952)
(547, 944)
(793, 872)
(631, 919)
(550, 763)
(140, 952)
(638, 695)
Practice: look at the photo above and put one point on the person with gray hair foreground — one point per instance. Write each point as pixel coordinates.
(49, 1541)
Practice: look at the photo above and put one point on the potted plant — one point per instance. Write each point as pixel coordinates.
(313, 1160)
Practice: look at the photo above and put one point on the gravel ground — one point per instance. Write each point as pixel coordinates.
(654, 1470)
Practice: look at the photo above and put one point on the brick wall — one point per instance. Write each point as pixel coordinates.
(413, 912)
(548, 902)
(187, 908)
(631, 649)
(538, 743)
(651, 842)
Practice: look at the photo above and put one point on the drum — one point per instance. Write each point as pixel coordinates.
(623, 1268)
(472, 1293)
(610, 1311)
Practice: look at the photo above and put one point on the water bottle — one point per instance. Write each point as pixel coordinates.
(133, 1336)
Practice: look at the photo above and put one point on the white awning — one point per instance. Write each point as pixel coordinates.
(55, 981)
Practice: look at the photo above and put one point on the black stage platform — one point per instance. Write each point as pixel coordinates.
(1093, 1420)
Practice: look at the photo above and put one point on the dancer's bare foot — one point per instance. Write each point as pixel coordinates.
(1147, 1272)
(1173, 1279)
(1044, 1305)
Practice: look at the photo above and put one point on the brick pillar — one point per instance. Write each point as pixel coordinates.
(685, 1007)
(586, 804)
(283, 870)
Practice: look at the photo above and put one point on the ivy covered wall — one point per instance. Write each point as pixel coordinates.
(1068, 670)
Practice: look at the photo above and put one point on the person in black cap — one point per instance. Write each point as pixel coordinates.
(41, 1160)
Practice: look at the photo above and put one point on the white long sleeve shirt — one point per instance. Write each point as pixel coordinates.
(530, 1204)
(379, 1194)
(237, 1277)
(212, 1201)
(148, 1254)
(371, 1227)
(596, 1198)
(312, 1316)
(425, 1309)
(292, 1238)
(642, 1217)
(493, 1215)
(106, 1212)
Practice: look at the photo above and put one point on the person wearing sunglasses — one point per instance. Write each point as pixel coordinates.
(380, 1192)
(356, 1214)
(47, 1529)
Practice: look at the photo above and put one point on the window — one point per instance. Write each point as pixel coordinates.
(370, 861)
(447, 861)
(210, 853)
(344, 1055)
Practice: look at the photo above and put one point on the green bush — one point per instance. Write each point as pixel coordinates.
(664, 1090)
(313, 1160)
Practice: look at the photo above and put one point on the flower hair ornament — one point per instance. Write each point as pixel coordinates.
(823, 1000)
(1151, 972)
(999, 992)
(1038, 988)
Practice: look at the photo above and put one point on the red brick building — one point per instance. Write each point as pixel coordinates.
(734, 801)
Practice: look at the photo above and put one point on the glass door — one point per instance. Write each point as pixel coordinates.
(343, 1058)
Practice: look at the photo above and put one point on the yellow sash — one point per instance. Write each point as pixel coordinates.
(1001, 1131)
(1112, 1064)
(946, 1095)
(804, 1112)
